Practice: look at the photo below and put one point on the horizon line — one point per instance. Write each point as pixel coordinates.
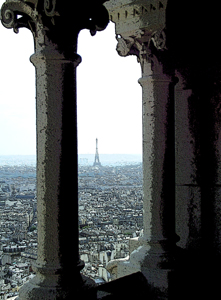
(111, 153)
(78, 154)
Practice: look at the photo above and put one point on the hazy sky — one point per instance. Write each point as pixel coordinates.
(109, 96)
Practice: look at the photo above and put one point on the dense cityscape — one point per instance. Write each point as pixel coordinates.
(110, 213)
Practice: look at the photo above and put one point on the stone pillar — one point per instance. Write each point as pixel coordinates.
(140, 29)
(155, 257)
(188, 191)
(158, 153)
(198, 178)
(57, 193)
(55, 35)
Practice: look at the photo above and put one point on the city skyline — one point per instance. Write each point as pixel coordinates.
(110, 213)
(109, 96)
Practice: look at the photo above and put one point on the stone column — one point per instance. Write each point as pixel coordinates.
(57, 193)
(158, 151)
(198, 178)
(55, 35)
(141, 31)
(155, 256)
(188, 194)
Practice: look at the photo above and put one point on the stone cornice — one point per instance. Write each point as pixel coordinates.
(133, 15)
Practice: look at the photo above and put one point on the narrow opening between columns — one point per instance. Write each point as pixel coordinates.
(110, 110)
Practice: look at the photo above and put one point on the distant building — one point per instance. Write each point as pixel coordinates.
(96, 159)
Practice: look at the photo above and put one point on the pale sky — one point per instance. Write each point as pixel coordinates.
(109, 96)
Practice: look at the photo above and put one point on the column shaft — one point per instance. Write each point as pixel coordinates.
(158, 158)
(155, 257)
(157, 154)
(58, 264)
(57, 191)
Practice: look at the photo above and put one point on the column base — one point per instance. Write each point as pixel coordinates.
(156, 266)
(38, 288)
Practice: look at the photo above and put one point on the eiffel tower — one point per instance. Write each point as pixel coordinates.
(96, 159)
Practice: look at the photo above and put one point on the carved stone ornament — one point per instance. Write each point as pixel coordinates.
(159, 39)
(139, 44)
(124, 45)
(17, 14)
(36, 14)
(49, 8)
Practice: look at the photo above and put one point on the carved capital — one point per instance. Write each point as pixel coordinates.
(124, 45)
(142, 46)
(151, 53)
(17, 14)
(132, 45)
(140, 28)
(54, 15)
(50, 8)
